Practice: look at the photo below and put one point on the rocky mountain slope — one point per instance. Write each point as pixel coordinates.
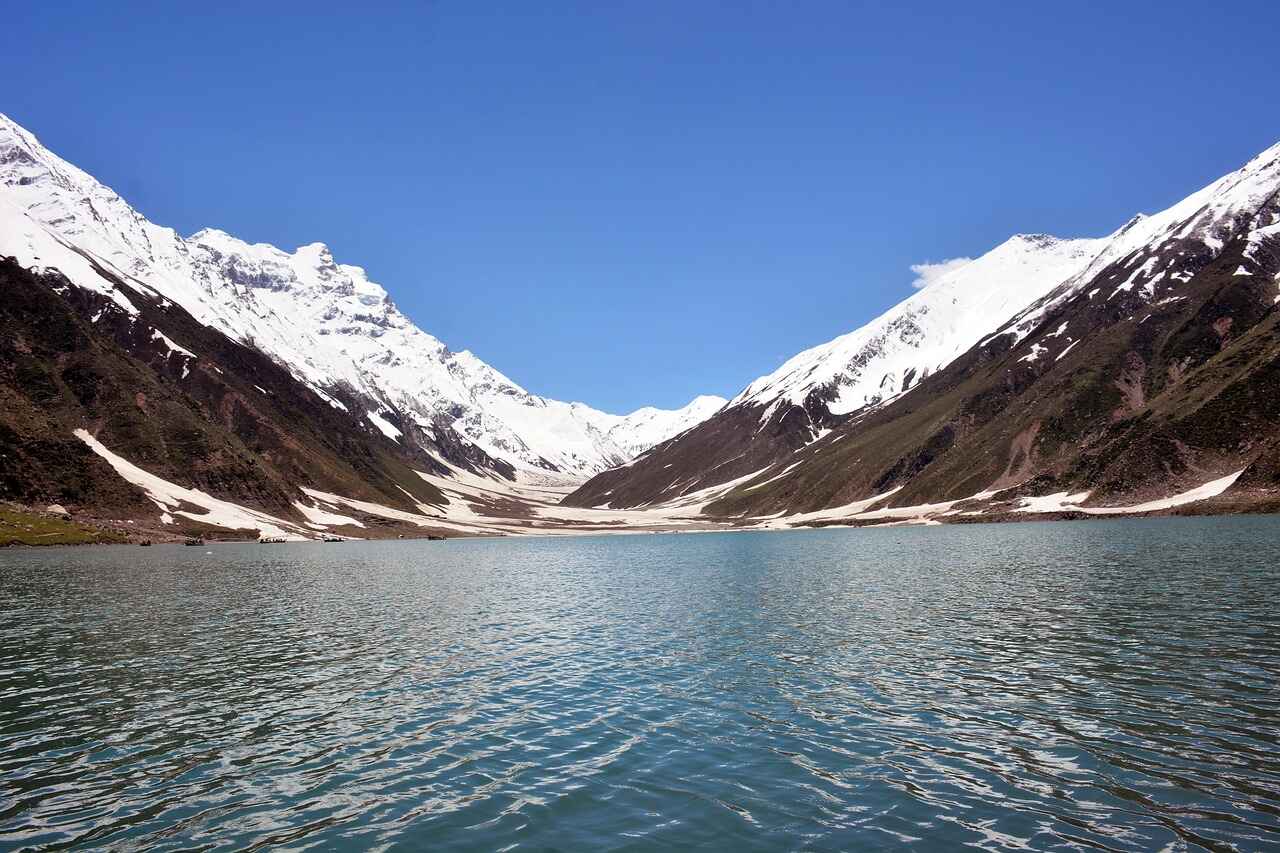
(89, 376)
(326, 323)
(1131, 368)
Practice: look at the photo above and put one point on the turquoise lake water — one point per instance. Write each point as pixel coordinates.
(1089, 685)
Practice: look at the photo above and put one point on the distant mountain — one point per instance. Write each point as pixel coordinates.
(325, 322)
(643, 428)
(1118, 369)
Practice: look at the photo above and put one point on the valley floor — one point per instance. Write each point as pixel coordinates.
(476, 505)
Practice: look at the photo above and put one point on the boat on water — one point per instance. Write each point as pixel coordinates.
(332, 539)
(271, 540)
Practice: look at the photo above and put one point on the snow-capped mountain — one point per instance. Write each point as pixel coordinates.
(326, 322)
(643, 428)
(1021, 279)
(926, 332)
(813, 391)
(1159, 252)
(1092, 363)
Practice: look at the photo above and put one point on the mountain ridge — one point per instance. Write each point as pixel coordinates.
(258, 293)
(1152, 267)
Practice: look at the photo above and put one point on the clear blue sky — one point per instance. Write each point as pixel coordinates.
(629, 203)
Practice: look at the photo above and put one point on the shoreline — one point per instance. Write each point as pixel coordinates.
(1185, 511)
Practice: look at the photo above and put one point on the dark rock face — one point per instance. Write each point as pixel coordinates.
(224, 419)
(730, 444)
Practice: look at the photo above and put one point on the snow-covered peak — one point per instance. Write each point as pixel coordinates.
(325, 321)
(1208, 215)
(1023, 278)
(927, 331)
(71, 202)
(647, 426)
(1152, 249)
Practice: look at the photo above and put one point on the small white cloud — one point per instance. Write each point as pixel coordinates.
(927, 273)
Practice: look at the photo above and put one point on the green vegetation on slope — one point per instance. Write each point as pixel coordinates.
(30, 528)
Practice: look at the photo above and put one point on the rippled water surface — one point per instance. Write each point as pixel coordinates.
(1102, 685)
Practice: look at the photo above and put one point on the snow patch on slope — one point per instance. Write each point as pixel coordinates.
(384, 426)
(157, 335)
(1063, 502)
(169, 497)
